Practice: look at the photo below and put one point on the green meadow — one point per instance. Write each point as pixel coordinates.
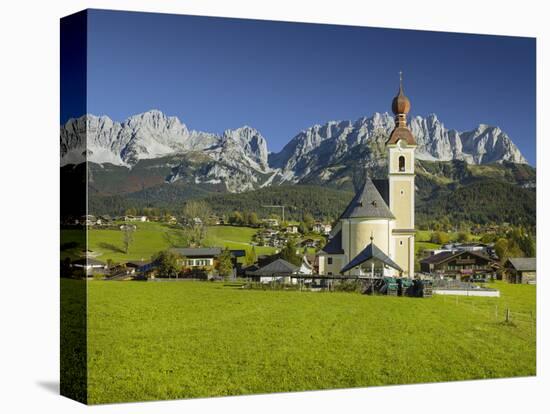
(165, 340)
(150, 238)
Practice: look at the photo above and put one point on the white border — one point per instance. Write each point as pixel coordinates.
(30, 193)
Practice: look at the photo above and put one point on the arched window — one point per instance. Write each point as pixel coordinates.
(402, 163)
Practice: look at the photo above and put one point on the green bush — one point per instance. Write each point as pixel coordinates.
(98, 276)
(347, 286)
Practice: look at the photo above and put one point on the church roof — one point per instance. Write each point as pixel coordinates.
(383, 187)
(401, 132)
(367, 203)
(334, 245)
(371, 252)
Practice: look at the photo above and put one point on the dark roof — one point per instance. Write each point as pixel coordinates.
(370, 252)
(197, 251)
(367, 203)
(437, 258)
(523, 264)
(383, 187)
(445, 256)
(251, 268)
(138, 263)
(89, 262)
(238, 253)
(278, 267)
(334, 245)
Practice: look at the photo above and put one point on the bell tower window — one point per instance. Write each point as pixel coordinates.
(401, 163)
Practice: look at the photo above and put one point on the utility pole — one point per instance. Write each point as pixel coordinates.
(277, 206)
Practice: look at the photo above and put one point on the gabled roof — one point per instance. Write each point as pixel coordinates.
(278, 267)
(334, 245)
(197, 251)
(369, 253)
(367, 203)
(524, 264)
(446, 256)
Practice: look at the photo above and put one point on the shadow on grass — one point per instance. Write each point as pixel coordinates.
(111, 247)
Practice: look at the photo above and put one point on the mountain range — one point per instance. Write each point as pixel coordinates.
(151, 149)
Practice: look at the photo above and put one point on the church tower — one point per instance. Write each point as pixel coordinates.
(401, 146)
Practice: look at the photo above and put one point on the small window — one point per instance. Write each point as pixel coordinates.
(401, 163)
(329, 260)
(401, 242)
(402, 192)
(329, 273)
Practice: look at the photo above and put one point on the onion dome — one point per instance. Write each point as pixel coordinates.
(401, 107)
(400, 104)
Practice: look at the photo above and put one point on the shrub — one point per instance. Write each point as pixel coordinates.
(98, 276)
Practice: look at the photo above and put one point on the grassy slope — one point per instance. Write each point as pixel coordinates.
(150, 341)
(151, 238)
(235, 238)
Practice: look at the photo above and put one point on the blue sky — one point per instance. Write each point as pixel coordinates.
(280, 78)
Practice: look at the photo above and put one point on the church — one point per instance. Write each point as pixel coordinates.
(375, 234)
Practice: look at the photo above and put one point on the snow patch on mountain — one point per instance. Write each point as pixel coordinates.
(239, 158)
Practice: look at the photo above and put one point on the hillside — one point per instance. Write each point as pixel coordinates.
(479, 194)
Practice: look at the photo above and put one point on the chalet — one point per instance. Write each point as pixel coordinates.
(309, 243)
(292, 229)
(105, 219)
(89, 220)
(458, 264)
(271, 222)
(322, 228)
(198, 257)
(521, 270)
(136, 218)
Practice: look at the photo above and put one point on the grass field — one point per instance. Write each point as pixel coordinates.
(235, 238)
(150, 238)
(150, 341)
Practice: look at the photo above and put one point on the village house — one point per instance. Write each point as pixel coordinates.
(521, 270)
(375, 234)
(322, 228)
(136, 218)
(270, 222)
(291, 229)
(205, 258)
(309, 243)
(459, 264)
(90, 220)
(198, 256)
(279, 271)
(270, 237)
